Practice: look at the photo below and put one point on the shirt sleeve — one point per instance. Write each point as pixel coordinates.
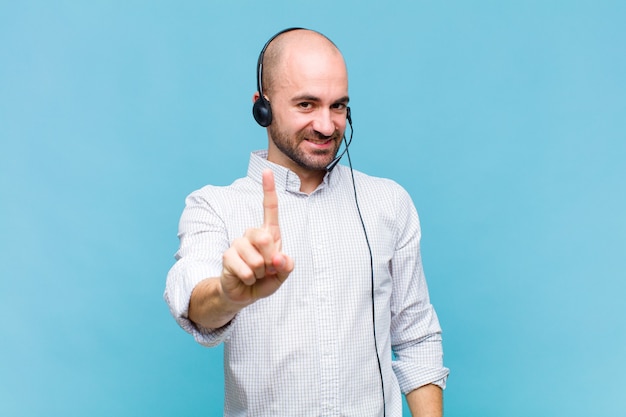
(415, 330)
(203, 240)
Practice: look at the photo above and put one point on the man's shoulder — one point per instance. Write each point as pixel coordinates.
(384, 195)
(237, 186)
(224, 195)
(377, 184)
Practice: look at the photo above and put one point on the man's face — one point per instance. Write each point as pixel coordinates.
(308, 99)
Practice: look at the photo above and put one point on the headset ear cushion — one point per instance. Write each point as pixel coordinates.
(262, 112)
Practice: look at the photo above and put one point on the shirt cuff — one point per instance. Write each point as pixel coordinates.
(181, 281)
(411, 376)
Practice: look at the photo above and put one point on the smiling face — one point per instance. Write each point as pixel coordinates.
(309, 97)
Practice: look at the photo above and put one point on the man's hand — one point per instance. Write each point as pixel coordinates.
(254, 266)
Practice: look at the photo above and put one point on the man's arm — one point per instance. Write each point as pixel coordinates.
(253, 267)
(426, 401)
(416, 334)
(208, 308)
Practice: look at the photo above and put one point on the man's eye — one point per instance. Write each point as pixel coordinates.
(339, 106)
(305, 105)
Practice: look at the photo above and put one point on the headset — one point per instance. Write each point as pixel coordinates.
(262, 112)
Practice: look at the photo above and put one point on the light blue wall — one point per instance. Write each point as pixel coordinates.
(504, 120)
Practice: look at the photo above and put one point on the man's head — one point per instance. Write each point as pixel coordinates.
(305, 79)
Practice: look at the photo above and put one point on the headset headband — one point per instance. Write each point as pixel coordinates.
(261, 109)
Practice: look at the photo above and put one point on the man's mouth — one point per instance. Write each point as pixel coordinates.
(319, 141)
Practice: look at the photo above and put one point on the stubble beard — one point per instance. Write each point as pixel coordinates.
(310, 161)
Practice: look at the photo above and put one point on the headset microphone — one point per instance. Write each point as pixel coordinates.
(335, 161)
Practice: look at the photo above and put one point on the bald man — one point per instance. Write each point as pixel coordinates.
(311, 276)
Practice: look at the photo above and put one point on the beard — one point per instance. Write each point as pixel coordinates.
(314, 161)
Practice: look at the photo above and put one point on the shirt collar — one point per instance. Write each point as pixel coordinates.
(284, 178)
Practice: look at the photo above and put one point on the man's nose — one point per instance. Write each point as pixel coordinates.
(324, 123)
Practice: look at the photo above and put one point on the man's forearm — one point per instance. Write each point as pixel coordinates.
(207, 308)
(426, 401)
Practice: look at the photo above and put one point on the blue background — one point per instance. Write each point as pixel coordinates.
(504, 120)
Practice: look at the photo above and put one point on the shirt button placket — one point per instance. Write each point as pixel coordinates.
(323, 278)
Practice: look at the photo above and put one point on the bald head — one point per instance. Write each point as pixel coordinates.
(289, 46)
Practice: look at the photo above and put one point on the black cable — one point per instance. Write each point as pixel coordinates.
(369, 248)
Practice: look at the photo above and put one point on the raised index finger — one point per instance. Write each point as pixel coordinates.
(270, 204)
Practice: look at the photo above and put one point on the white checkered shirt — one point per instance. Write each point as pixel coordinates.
(308, 350)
